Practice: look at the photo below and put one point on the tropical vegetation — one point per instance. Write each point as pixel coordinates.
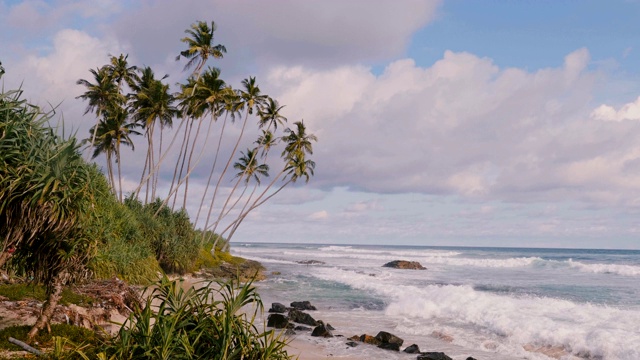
(63, 220)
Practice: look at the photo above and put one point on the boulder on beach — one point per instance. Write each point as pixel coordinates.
(302, 328)
(277, 308)
(310, 262)
(322, 331)
(404, 264)
(388, 338)
(302, 305)
(433, 356)
(368, 339)
(277, 321)
(389, 346)
(302, 318)
(412, 349)
(352, 344)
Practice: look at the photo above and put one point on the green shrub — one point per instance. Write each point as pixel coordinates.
(45, 339)
(15, 292)
(206, 323)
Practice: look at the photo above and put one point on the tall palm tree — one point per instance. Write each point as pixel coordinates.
(113, 132)
(200, 46)
(152, 103)
(120, 71)
(298, 141)
(101, 95)
(248, 167)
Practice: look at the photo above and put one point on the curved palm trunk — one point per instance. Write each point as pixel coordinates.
(213, 167)
(155, 183)
(184, 159)
(193, 147)
(118, 158)
(226, 167)
(174, 191)
(110, 171)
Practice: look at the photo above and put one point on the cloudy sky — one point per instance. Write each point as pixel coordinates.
(474, 123)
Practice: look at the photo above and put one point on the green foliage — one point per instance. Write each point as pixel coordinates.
(45, 194)
(210, 322)
(45, 339)
(171, 234)
(15, 292)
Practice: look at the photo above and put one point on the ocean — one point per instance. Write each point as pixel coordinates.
(489, 303)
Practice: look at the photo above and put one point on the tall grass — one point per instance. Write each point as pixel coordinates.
(216, 321)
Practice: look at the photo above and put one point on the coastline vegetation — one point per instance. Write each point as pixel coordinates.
(63, 221)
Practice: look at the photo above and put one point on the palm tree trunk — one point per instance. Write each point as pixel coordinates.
(184, 159)
(55, 293)
(155, 183)
(193, 147)
(213, 167)
(215, 191)
(119, 171)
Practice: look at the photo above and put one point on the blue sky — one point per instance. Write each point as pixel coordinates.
(475, 123)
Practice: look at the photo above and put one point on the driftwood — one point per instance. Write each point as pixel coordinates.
(25, 346)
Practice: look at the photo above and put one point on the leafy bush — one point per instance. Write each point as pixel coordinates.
(210, 322)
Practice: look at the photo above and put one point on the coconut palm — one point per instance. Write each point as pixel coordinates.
(200, 46)
(113, 132)
(101, 95)
(298, 141)
(120, 71)
(152, 103)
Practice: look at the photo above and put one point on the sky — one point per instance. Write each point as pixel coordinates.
(461, 123)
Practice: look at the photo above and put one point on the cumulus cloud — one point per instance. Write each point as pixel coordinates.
(464, 126)
(259, 33)
(630, 111)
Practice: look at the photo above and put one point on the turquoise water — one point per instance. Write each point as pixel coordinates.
(499, 300)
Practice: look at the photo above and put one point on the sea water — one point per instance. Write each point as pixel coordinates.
(490, 303)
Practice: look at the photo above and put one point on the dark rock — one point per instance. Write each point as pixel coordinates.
(302, 305)
(352, 344)
(354, 338)
(412, 349)
(386, 337)
(302, 318)
(302, 328)
(289, 332)
(277, 321)
(471, 358)
(368, 339)
(291, 326)
(433, 356)
(311, 262)
(321, 330)
(389, 346)
(277, 308)
(330, 327)
(404, 264)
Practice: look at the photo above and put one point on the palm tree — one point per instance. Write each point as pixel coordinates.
(248, 166)
(151, 102)
(113, 132)
(298, 141)
(199, 49)
(270, 114)
(101, 95)
(200, 46)
(120, 71)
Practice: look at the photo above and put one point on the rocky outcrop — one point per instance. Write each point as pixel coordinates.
(302, 305)
(302, 318)
(322, 331)
(389, 346)
(433, 356)
(278, 308)
(404, 264)
(277, 321)
(412, 349)
(368, 339)
(389, 338)
(311, 262)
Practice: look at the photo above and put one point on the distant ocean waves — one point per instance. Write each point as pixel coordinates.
(514, 303)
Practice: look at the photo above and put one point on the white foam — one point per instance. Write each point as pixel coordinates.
(581, 329)
(617, 269)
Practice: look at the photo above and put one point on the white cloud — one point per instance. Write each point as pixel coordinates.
(629, 111)
(320, 215)
(464, 126)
